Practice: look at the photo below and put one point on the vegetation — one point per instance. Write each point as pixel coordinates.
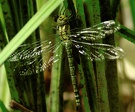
(98, 81)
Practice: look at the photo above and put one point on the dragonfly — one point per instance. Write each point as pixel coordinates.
(82, 39)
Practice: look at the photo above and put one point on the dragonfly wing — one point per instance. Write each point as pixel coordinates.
(37, 66)
(32, 50)
(98, 51)
(96, 32)
(29, 58)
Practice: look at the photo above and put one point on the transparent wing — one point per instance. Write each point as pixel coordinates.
(32, 50)
(37, 66)
(97, 51)
(29, 59)
(96, 32)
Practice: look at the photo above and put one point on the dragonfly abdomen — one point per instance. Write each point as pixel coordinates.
(68, 46)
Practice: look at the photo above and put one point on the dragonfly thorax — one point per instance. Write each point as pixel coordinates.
(63, 26)
(64, 31)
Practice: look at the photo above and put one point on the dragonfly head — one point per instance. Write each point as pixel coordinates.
(61, 20)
